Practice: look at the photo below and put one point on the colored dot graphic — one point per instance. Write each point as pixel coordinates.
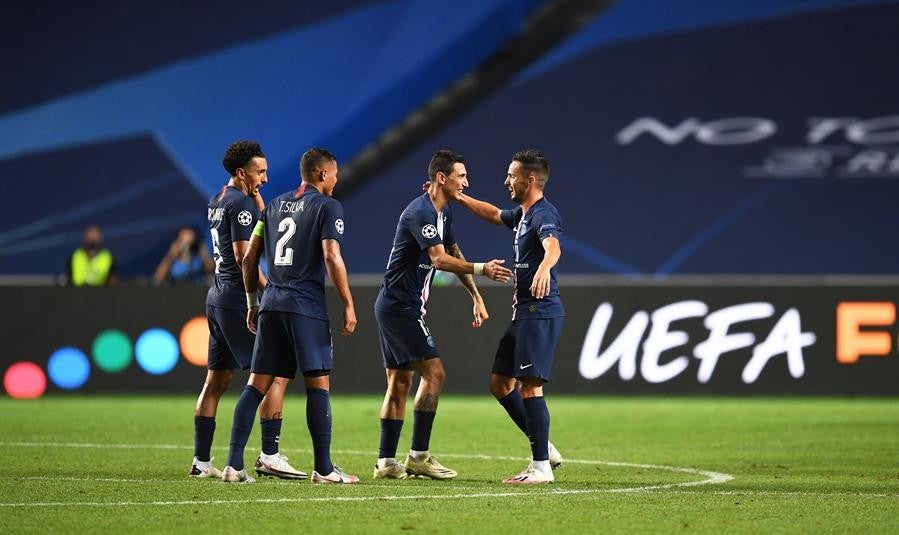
(156, 351)
(194, 341)
(112, 351)
(25, 380)
(68, 368)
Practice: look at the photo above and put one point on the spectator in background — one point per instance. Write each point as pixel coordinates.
(91, 264)
(186, 262)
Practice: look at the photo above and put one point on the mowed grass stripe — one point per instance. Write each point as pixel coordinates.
(800, 464)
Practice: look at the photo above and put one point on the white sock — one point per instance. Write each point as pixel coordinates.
(386, 461)
(419, 455)
(266, 457)
(542, 467)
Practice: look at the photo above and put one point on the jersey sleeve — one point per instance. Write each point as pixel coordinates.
(242, 217)
(332, 220)
(423, 229)
(547, 223)
(511, 217)
(449, 235)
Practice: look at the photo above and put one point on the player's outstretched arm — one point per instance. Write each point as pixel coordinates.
(552, 251)
(480, 309)
(249, 264)
(482, 209)
(445, 262)
(337, 272)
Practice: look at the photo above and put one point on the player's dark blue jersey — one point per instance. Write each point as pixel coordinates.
(296, 222)
(232, 215)
(541, 221)
(407, 281)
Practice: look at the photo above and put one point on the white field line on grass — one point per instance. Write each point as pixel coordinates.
(711, 478)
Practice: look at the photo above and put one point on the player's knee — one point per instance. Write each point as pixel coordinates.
(217, 382)
(434, 375)
(500, 389)
(399, 380)
(501, 386)
(396, 398)
(280, 382)
(531, 389)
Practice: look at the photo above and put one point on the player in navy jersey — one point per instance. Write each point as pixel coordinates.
(424, 242)
(525, 354)
(232, 212)
(300, 232)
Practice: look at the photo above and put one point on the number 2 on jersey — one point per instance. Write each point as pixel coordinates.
(284, 254)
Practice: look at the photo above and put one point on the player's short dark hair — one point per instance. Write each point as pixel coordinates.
(239, 155)
(313, 160)
(442, 162)
(533, 163)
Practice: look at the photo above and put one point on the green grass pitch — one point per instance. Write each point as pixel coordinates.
(81, 464)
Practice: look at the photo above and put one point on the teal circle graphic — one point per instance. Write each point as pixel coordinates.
(112, 351)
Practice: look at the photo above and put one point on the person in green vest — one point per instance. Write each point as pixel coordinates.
(92, 264)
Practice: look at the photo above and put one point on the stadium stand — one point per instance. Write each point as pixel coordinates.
(332, 74)
(679, 144)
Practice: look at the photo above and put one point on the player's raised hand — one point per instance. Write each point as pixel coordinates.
(495, 270)
(349, 321)
(480, 312)
(540, 286)
(252, 317)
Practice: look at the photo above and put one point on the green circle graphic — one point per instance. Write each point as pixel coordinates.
(112, 351)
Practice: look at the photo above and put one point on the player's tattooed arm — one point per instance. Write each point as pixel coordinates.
(480, 309)
(467, 279)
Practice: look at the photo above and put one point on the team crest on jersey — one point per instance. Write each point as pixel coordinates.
(245, 218)
(429, 231)
(339, 226)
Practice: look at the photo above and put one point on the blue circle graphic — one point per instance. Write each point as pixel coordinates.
(68, 368)
(156, 351)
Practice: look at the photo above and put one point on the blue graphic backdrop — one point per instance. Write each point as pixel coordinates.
(325, 73)
(752, 136)
(751, 179)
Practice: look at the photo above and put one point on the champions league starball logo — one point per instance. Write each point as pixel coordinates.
(339, 226)
(244, 218)
(429, 231)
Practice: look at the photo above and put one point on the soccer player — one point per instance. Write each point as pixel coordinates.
(423, 243)
(300, 231)
(525, 355)
(232, 213)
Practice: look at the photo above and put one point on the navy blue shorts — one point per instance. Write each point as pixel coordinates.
(230, 342)
(404, 341)
(287, 342)
(528, 347)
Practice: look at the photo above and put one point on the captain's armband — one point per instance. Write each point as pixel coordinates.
(259, 230)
